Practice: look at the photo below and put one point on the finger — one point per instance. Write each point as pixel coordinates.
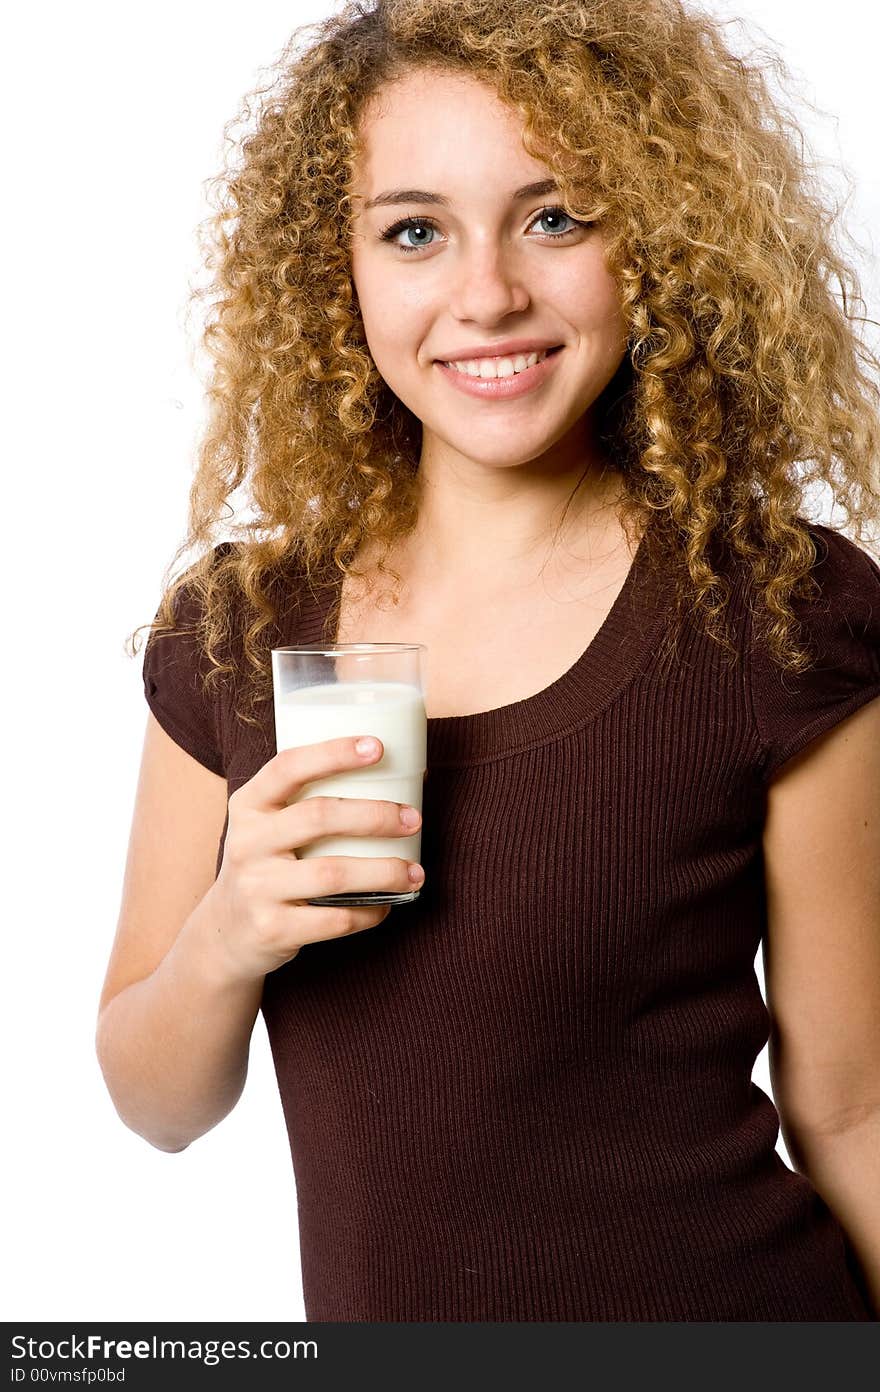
(285, 774)
(304, 821)
(320, 876)
(340, 920)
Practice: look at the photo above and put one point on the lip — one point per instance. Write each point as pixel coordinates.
(506, 348)
(503, 387)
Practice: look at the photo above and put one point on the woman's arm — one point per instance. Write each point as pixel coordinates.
(173, 1032)
(843, 1165)
(822, 970)
(173, 1047)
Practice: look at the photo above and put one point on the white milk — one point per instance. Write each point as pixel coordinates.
(393, 711)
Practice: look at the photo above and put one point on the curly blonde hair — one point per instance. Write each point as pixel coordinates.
(745, 379)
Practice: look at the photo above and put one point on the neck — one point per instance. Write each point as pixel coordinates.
(504, 528)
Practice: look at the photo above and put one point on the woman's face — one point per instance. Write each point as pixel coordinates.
(478, 265)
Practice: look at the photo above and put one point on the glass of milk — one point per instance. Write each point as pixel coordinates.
(357, 689)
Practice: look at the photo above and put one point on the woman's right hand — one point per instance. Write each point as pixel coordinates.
(259, 895)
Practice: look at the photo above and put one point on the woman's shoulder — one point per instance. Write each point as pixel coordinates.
(175, 671)
(843, 602)
(189, 694)
(839, 627)
(843, 563)
(284, 582)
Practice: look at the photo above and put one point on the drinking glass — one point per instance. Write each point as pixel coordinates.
(357, 689)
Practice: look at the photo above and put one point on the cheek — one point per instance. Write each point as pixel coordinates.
(594, 302)
(374, 309)
(395, 326)
(393, 336)
(382, 297)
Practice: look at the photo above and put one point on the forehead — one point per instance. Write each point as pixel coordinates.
(449, 129)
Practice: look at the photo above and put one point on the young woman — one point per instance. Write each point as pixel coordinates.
(528, 307)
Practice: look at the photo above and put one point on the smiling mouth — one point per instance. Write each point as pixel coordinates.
(510, 365)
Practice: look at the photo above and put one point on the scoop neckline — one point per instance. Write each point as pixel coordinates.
(613, 657)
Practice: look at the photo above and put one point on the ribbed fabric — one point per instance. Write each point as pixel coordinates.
(527, 1095)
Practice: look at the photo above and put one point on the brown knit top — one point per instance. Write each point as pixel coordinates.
(527, 1095)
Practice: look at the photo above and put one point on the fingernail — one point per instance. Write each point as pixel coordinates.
(367, 746)
(416, 874)
(409, 816)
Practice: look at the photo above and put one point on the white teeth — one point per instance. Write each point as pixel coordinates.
(497, 367)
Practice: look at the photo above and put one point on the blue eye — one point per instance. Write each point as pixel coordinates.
(557, 213)
(422, 225)
(406, 225)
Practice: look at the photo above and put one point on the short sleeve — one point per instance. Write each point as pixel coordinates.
(174, 668)
(841, 627)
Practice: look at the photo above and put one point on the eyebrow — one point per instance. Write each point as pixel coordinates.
(420, 196)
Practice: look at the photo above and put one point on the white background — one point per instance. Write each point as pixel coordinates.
(113, 123)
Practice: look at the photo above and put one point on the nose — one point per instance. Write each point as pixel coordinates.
(487, 285)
